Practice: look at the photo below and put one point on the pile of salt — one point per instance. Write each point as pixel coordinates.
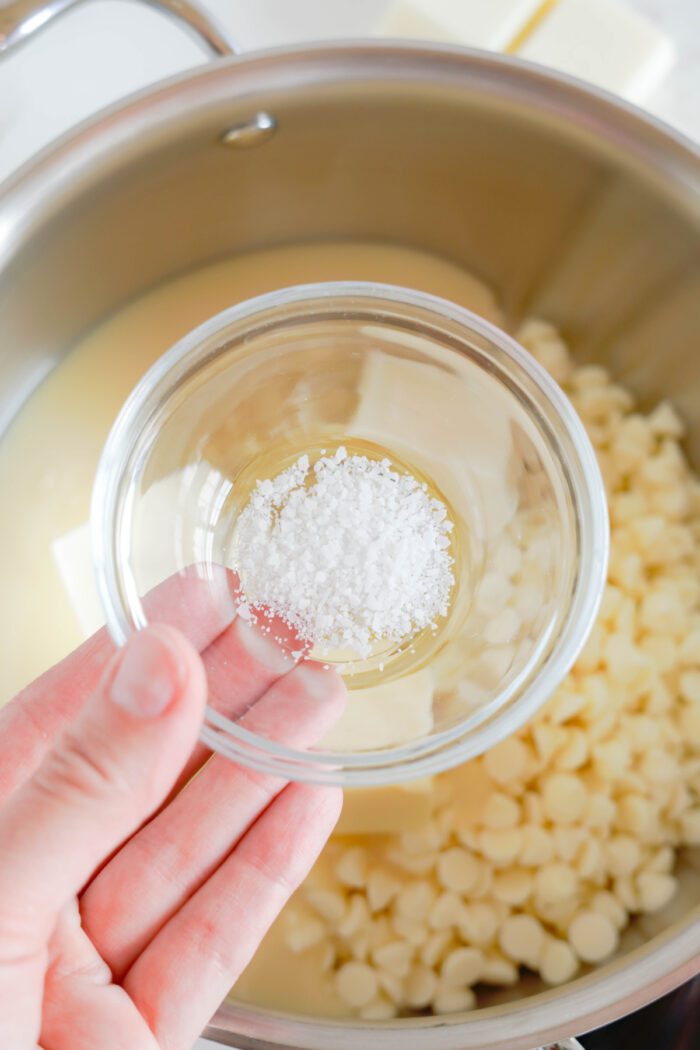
(349, 552)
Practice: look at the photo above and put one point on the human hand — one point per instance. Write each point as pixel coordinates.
(124, 929)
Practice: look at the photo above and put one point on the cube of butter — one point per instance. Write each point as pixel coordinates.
(490, 24)
(182, 496)
(387, 810)
(604, 42)
(385, 715)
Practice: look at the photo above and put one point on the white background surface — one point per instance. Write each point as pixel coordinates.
(100, 52)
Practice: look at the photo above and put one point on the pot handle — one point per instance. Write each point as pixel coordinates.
(21, 19)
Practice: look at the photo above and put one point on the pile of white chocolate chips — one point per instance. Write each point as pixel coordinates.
(540, 852)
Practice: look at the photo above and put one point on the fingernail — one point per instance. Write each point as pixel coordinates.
(149, 675)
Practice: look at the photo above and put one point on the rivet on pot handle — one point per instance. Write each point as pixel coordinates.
(21, 19)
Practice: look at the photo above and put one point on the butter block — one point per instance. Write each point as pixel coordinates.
(385, 715)
(604, 42)
(72, 555)
(387, 810)
(490, 24)
(446, 442)
(183, 497)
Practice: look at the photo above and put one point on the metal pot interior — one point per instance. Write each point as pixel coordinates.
(571, 207)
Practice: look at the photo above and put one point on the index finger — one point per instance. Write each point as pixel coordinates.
(198, 606)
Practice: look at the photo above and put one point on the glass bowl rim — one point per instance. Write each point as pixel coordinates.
(448, 747)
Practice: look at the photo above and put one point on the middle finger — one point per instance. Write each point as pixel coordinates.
(241, 665)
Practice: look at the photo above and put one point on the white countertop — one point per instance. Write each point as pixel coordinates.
(100, 52)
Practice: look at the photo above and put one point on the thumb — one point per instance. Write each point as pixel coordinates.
(113, 766)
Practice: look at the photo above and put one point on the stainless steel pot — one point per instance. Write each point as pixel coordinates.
(573, 205)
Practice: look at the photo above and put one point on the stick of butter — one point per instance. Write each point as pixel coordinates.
(479, 487)
(387, 810)
(602, 41)
(181, 500)
(474, 23)
(72, 554)
(385, 715)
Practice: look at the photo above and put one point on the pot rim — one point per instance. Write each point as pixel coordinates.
(83, 149)
(79, 158)
(588, 1002)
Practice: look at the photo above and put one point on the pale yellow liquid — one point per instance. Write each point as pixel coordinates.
(49, 456)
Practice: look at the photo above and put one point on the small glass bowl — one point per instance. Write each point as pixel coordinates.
(384, 371)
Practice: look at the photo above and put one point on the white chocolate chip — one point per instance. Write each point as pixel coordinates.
(392, 986)
(611, 757)
(420, 987)
(622, 855)
(690, 686)
(351, 869)
(416, 864)
(453, 1000)
(413, 931)
(498, 970)
(690, 827)
(664, 421)
(493, 593)
(395, 957)
(356, 918)
(528, 601)
(381, 889)
(330, 904)
(609, 905)
(522, 939)
(479, 923)
(558, 963)
(501, 811)
(446, 911)
(457, 870)
(502, 628)
(305, 934)
(358, 944)
(589, 861)
(537, 848)
(415, 900)
(549, 740)
(436, 947)
(655, 890)
(513, 886)
(378, 1010)
(568, 840)
(356, 983)
(564, 797)
(501, 846)
(506, 761)
(463, 966)
(574, 752)
(593, 936)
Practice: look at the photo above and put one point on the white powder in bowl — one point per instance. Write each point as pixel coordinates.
(349, 552)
